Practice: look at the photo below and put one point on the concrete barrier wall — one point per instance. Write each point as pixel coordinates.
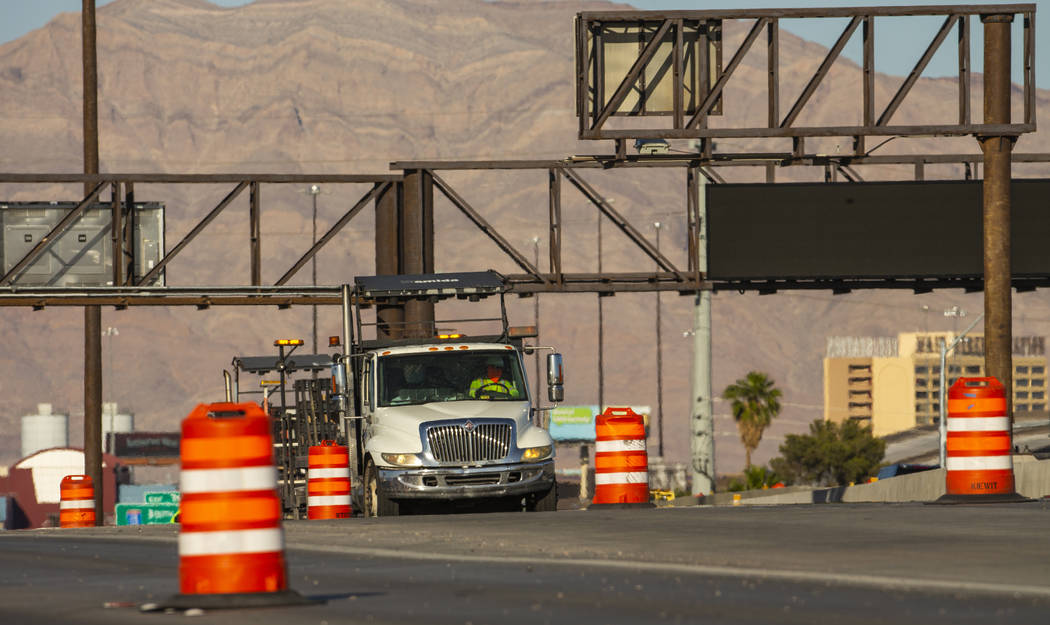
(1031, 477)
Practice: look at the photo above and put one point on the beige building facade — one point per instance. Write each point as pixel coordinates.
(893, 384)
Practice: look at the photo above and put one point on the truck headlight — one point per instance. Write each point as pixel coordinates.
(534, 454)
(403, 460)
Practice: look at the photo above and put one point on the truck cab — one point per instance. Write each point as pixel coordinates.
(451, 421)
(441, 419)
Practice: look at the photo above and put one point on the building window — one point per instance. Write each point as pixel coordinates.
(935, 370)
(1021, 382)
(1038, 395)
(921, 394)
(860, 368)
(954, 369)
(1038, 370)
(1021, 394)
(1039, 407)
(1038, 382)
(923, 370)
(1021, 408)
(922, 382)
(973, 370)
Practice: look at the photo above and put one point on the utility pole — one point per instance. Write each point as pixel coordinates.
(659, 365)
(92, 314)
(701, 419)
(998, 309)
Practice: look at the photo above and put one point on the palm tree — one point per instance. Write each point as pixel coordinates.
(755, 403)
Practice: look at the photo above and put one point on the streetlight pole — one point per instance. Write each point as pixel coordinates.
(110, 332)
(942, 427)
(536, 320)
(601, 329)
(659, 365)
(314, 190)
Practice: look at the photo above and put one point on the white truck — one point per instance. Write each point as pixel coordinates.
(445, 420)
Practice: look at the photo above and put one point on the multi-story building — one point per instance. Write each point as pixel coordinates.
(893, 384)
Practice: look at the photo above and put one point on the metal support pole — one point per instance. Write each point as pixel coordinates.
(417, 246)
(601, 328)
(92, 314)
(998, 361)
(314, 190)
(536, 320)
(255, 228)
(659, 366)
(390, 318)
(585, 461)
(702, 419)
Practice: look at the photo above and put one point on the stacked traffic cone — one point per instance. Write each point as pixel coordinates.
(328, 482)
(979, 445)
(76, 507)
(621, 463)
(231, 543)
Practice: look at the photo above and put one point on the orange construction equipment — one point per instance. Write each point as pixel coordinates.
(621, 465)
(978, 461)
(77, 505)
(231, 543)
(328, 482)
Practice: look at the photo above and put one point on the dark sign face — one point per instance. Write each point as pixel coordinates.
(867, 230)
(144, 444)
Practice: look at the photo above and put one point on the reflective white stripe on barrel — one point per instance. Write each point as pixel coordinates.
(227, 480)
(235, 541)
(636, 444)
(76, 504)
(328, 500)
(979, 463)
(979, 424)
(621, 478)
(320, 474)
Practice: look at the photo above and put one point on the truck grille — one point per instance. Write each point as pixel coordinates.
(455, 443)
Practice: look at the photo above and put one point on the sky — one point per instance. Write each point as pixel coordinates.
(899, 42)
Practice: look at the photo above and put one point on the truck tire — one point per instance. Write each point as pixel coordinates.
(543, 502)
(376, 502)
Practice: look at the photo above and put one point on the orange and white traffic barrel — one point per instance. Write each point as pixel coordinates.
(979, 446)
(328, 482)
(621, 464)
(231, 543)
(76, 506)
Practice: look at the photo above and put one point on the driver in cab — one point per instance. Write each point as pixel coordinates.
(492, 384)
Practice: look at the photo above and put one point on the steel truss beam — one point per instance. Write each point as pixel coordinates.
(666, 277)
(121, 230)
(595, 110)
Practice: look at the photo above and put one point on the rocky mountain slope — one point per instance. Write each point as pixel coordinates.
(346, 86)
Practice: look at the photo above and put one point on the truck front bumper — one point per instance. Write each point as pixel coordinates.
(503, 480)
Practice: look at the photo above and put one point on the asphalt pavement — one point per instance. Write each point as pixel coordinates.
(868, 563)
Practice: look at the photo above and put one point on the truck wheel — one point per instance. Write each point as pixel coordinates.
(543, 502)
(377, 503)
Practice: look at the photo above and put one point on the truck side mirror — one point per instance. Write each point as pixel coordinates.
(555, 378)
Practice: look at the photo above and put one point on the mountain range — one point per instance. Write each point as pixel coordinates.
(348, 86)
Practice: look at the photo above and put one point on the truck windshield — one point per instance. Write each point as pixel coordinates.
(450, 376)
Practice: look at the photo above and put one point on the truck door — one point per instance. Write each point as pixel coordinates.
(368, 396)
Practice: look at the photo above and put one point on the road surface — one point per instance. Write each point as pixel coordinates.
(837, 563)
